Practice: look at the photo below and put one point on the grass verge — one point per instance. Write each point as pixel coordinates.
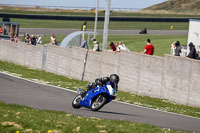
(115, 25)
(53, 79)
(20, 119)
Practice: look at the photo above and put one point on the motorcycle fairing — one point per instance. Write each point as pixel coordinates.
(91, 94)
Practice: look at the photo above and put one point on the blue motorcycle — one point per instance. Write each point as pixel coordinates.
(96, 98)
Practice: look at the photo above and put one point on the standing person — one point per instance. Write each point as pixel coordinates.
(12, 38)
(0, 30)
(53, 39)
(84, 44)
(39, 40)
(16, 39)
(96, 45)
(33, 40)
(192, 54)
(149, 48)
(5, 31)
(113, 47)
(84, 28)
(177, 48)
(27, 38)
(173, 47)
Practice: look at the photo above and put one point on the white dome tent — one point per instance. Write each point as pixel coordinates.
(74, 39)
(194, 34)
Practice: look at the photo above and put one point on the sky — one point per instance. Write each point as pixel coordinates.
(86, 3)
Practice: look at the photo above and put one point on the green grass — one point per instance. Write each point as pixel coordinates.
(115, 25)
(136, 43)
(53, 79)
(14, 118)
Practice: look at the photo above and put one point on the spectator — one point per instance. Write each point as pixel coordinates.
(27, 38)
(173, 47)
(5, 31)
(96, 45)
(192, 54)
(149, 48)
(39, 40)
(0, 30)
(84, 44)
(112, 46)
(177, 48)
(16, 39)
(33, 40)
(121, 46)
(53, 39)
(12, 38)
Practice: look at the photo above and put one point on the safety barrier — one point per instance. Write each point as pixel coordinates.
(168, 77)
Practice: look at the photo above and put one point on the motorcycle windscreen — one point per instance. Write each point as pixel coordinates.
(111, 90)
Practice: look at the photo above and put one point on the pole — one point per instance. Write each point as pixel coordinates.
(96, 19)
(106, 23)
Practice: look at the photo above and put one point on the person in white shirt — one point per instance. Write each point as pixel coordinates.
(39, 40)
(121, 46)
(96, 45)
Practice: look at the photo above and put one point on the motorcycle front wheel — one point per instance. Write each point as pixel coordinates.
(76, 102)
(98, 103)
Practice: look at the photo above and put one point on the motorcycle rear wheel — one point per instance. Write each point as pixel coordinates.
(76, 102)
(98, 103)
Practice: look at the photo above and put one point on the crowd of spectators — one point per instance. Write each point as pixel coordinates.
(33, 39)
(177, 49)
(119, 46)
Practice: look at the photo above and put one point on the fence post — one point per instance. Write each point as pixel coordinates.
(44, 57)
(84, 66)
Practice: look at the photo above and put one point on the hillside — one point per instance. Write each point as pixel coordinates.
(177, 6)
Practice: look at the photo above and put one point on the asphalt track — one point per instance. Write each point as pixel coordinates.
(23, 92)
(48, 31)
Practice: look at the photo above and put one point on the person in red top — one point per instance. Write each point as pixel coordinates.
(149, 48)
(112, 46)
(0, 30)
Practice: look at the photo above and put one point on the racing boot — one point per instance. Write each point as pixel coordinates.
(79, 91)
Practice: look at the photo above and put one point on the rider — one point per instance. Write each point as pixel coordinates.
(113, 80)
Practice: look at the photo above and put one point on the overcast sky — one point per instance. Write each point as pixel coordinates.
(86, 3)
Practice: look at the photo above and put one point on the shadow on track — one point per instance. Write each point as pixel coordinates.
(110, 112)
